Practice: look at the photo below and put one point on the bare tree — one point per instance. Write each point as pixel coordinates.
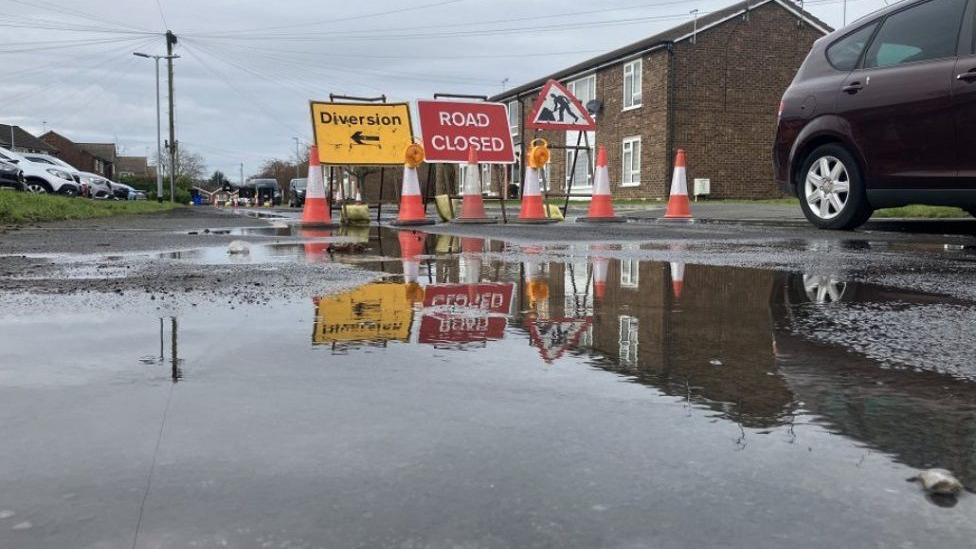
(189, 165)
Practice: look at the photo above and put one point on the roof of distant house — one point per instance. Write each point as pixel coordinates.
(104, 151)
(22, 139)
(134, 164)
(679, 33)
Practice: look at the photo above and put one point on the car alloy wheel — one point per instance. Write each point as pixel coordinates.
(35, 187)
(827, 187)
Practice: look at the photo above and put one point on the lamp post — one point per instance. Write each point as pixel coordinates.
(159, 127)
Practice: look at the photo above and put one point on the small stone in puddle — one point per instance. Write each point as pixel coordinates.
(715, 362)
(238, 247)
(939, 482)
(5, 514)
(26, 525)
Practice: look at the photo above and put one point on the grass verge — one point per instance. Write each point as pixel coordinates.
(17, 208)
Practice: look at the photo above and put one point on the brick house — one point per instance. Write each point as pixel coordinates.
(710, 87)
(23, 141)
(96, 158)
(133, 166)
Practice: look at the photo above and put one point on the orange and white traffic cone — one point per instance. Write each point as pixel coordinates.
(601, 204)
(411, 248)
(316, 212)
(533, 210)
(679, 207)
(470, 260)
(411, 202)
(601, 266)
(677, 279)
(473, 206)
(536, 286)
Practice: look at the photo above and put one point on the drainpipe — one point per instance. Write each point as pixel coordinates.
(669, 146)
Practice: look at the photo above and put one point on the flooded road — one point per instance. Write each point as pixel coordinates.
(476, 393)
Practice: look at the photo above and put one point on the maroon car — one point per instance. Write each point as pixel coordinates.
(883, 114)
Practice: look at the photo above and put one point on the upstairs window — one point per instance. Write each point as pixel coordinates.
(632, 84)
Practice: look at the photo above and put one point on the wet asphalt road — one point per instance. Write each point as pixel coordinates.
(637, 386)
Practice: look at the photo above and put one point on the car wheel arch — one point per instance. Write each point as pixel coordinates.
(38, 180)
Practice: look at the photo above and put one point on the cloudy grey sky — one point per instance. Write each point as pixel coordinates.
(249, 67)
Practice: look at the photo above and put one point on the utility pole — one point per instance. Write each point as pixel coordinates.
(170, 42)
(298, 157)
(845, 13)
(12, 138)
(159, 124)
(242, 174)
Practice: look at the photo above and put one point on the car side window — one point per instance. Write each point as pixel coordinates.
(844, 53)
(920, 33)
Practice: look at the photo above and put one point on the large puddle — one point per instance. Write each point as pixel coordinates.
(484, 394)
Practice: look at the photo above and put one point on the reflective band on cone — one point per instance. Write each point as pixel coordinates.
(601, 204)
(473, 206)
(470, 261)
(316, 212)
(678, 205)
(411, 202)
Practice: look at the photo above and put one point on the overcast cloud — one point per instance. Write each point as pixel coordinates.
(249, 68)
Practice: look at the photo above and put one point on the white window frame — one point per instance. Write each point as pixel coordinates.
(628, 340)
(627, 172)
(629, 273)
(513, 116)
(633, 97)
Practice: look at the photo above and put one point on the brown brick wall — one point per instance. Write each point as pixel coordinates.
(728, 87)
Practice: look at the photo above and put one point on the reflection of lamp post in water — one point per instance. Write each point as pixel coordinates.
(176, 371)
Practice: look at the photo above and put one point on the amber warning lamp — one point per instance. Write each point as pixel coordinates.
(538, 153)
(413, 155)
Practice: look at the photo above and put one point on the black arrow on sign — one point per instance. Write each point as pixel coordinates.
(361, 139)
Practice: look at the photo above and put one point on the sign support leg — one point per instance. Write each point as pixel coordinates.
(379, 203)
(572, 173)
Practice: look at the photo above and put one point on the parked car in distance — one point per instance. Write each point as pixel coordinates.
(11, 176)
(42, 177)
(127, 192)
(97, 186)
(54, 161)
(265, 190)
(296, 192)
(882, 114)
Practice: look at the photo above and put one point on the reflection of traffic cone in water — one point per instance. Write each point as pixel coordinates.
(470, 261)
(533, 210)
(316, 251)
(411, 247)
(678, 205)
(473, 206)
(601, 204)
(316, 212)
(411, 203)
(677, 278)
(601, 266)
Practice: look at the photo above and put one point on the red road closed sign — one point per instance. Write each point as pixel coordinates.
(451, 128)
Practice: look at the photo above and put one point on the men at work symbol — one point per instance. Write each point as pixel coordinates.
(560, 108)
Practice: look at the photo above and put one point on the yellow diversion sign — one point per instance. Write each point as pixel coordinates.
(361, 134)
(374, 312)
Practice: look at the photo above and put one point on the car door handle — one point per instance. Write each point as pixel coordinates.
(967, 76)
(853, 88)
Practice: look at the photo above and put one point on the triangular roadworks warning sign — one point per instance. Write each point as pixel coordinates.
(558, 109)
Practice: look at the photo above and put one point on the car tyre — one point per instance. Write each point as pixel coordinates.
(70, 192)
(831, 189)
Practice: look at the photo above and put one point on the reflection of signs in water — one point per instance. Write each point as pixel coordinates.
(553, 337)
(441, 328)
